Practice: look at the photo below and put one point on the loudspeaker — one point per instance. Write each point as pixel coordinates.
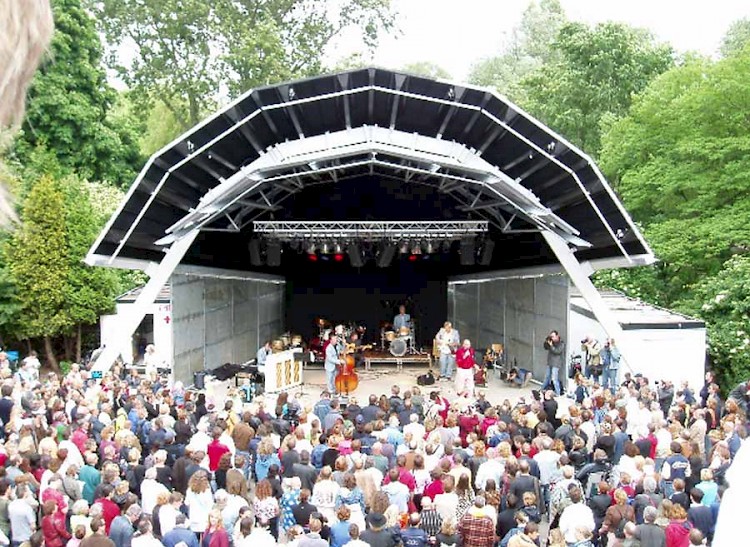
(273, 254)
(485, 257)
(386, 254)
(468, 248)
(355, 255)
(256, 258)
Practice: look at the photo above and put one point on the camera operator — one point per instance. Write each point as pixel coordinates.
(611, 362)
(555, 348)
(593, 358)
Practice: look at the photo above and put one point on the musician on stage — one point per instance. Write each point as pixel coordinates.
(403, 319)
(355, 344)
(262, 355)
(465, 369)
(332, 362)
(447, 340)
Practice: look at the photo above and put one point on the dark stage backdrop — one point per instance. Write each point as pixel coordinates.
(368, 296)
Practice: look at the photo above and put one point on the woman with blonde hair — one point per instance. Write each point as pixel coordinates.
(199, 501)
(215, 535)
(620, 510)
(266, 506)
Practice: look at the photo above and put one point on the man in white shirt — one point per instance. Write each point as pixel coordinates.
(493, 468)
(416, 429)
(447, 340)
(22, 517)
(547, 460)
(575, 516)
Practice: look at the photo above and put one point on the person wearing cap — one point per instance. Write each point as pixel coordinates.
(377, 535)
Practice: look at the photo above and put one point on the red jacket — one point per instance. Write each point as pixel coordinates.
(219, 538)
(433, 489)
(54, 530)
(110, 511)
(678, 533)
(465, 358)
(214, 452)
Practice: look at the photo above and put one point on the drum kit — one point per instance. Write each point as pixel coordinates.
(400, 342)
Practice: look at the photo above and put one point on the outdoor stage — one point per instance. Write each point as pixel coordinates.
(346, 194)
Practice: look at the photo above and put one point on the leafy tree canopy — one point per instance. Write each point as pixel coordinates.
(597, 73)
(531, 45)
(70, 105)
(736, 38)
(427, 69)
(189, 53)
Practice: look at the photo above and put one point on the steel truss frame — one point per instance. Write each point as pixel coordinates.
(369, 230)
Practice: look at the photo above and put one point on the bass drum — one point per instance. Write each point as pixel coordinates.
(398, 347)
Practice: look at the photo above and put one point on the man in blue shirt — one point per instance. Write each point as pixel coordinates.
(403, 319)
(180, 534)
(262, 355)
(414, 536)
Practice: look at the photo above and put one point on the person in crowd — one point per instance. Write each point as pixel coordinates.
(555, 348)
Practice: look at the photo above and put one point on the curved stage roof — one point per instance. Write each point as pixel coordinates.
(370, 145)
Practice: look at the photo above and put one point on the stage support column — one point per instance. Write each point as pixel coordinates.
(580, 276)
(159, 275)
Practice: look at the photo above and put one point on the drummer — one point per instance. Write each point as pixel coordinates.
(403, 319)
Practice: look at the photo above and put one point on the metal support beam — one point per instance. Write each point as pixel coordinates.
(580, 276)
(159, 277)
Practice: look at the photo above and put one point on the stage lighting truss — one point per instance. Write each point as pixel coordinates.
(410, 233)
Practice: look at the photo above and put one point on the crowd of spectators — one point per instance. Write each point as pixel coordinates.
(129, 461)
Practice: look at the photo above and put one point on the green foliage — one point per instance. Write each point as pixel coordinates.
(38, 261)
(723, 301)
(162, 127)
(680, 160)
(427, 69)
(189, 52)
(70, 105)
(531, 45)
(595, 77)
(736, 38)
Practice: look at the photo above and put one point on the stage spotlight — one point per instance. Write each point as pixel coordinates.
(404, 247)
(485, 256)
(312, 257)
(446, 246)
(338, 257)
(385, 254)
(468, 248)
(338, 248)
(256, 259)
(326, 248)
(310, 248)
(416, 248)
(273, 253)
(355, 255)
(429, 247)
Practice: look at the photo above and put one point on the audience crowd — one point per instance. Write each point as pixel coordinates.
(130, 461)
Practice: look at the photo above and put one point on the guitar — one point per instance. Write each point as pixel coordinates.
(351, 348)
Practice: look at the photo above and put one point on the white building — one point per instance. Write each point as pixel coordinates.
(662, 344)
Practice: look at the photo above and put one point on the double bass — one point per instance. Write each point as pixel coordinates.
(347, 379)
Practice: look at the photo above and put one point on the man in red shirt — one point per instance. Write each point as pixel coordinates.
(465, 369)
(216, 450)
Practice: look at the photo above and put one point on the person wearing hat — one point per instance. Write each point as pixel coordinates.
(377, 535)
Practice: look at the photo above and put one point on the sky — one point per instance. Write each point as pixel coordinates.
(456, 33)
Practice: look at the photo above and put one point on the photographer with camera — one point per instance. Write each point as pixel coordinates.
(593, 351)
(555, 348)
(611, 364)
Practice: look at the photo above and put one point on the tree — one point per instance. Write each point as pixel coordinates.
(427, 69)
(39, 264)
(189, 52)
(598, 71)
(70, 105)
(723, 301)
(680, 162)
(736, 38)
(531, 45)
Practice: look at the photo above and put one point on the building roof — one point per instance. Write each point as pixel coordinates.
(370, 144)
(633, 314)
(164, 296)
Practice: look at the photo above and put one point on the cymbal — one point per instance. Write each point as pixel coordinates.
(322, 323)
